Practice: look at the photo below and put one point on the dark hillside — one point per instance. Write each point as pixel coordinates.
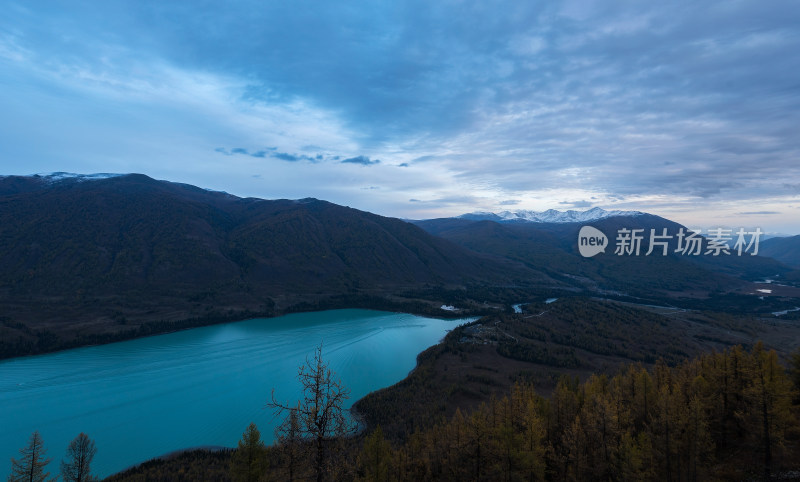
(94, 259)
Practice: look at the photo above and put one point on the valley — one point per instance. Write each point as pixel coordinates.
(99, 260)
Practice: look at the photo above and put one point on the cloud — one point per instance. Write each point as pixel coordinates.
(271, 152)
(286, 156)
(758, 213)
(665, 104)
(363, 160)
(577, 204)
(509, 202)
(458, 201)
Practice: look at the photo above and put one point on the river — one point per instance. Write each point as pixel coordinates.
(143, 398)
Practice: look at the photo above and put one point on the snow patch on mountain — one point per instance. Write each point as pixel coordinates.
(63, 176)
(549, 216)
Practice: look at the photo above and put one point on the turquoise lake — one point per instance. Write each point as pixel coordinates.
(147, 397)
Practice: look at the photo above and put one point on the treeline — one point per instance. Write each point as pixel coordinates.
(727, 415)
(32, 463)
(21, 340)
(603, 328)
(730, 415)
(33, 341)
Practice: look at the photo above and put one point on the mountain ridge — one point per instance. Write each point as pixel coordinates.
(785, 249)
(86, 258)
(97, 258)
(548, 216)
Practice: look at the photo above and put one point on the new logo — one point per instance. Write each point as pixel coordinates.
(591, 241)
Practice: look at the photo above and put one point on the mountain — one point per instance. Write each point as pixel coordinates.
(96, 258)
(549, 216)
(786, 250)
(552, 247)
(84, 256)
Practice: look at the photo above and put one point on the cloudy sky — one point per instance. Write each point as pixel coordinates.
(689, 110)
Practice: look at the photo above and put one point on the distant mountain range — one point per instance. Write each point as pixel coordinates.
(551, 246)
(784, 250)
(549, 216)
(93, 258)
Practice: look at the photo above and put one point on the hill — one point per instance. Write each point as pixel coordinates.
(86, 259)
(786, 250)
(552, 247)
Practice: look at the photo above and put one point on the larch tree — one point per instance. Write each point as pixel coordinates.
(321, 411)
(290, 442)
(249, 461)
(80, 452)
(794, 372)
(30, 466)
(375, 458)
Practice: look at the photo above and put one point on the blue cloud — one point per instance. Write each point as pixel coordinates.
(286, 156)
(363, 160)
(577, 204)
(622, 100)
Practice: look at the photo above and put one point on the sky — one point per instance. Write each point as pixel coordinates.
(419, 109)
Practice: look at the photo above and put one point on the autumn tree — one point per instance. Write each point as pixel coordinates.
(770, 398)
(290, 442)
(794, 370)
(375, 457)
(320, 411)
(30, 466)
(722, 416)
(80, 452)
(249, 461)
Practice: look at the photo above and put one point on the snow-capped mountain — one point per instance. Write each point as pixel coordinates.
(52, 177)
(63, 176)
(549, 216)
(41, 180)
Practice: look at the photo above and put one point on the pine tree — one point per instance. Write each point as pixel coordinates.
(30, 466)
(249, 461)
(80, 453)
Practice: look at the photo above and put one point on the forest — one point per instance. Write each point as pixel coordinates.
(726, 415)
(580, 389)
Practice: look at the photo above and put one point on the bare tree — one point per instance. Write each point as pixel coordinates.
(30, 466)
(290, 441)
(320, 414)
(80, 453)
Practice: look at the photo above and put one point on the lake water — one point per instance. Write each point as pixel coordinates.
(143, 398)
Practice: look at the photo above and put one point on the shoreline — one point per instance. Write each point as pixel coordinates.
(394, 376)
(418, 307)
